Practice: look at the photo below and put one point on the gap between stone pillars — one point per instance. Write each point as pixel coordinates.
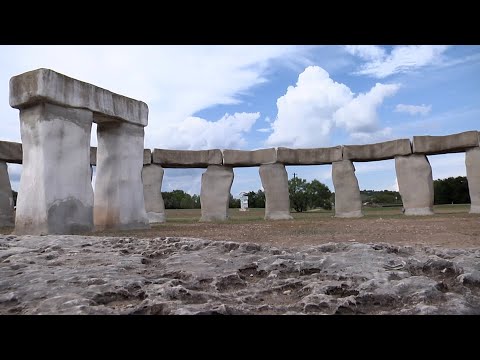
(348, 202)
(119, 202)
(215, 192)
(415, 184)
(472, 163)
(7, 217)
(55, 195)
(277, 198)
(152, 177)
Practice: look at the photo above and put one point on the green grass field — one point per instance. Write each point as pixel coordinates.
(192, 215)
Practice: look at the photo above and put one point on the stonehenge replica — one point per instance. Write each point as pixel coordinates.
(55, 194)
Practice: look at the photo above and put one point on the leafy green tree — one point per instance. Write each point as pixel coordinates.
(318, 195)
(309, 195)
(233, 203)
(196, 201)
(256, 199)
(177, 199)
(451, 190)
(297, 188)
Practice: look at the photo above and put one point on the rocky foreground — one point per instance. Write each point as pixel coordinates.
(111, 275)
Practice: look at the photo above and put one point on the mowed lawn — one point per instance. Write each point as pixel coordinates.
(253, 214)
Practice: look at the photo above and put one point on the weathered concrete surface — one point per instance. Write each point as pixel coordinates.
(147, 156)
(45, 85)
(348, 202)
(313, 156)
(215, 192)
(105, 275)
(472, 163)
(119, 201)
(11, 152)
(430, 145)
(415, 184)
(55, 195)
(6, 197)
(152, 177)
(187, 158)
(275, 183)
(240, 158)
(379, 151)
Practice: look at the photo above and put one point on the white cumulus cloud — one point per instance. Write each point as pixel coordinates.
(366, 52)
(401, 59)
(264, 130)
(175, 81)
(197, 133)
(309, 111)
(360, 114)
(413, 109)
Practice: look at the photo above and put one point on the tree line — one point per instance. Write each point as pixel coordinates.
(310, 195)
(179, 199)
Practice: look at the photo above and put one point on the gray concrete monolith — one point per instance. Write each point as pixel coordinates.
(241, 158)
(152, 177)
(119, 202)
(472, 163)
(309, 156)
(378, 151)
(7, 217)
(55, 195)
(430, 145)
(186, 158)
(348, 203)
(215, 192)
(275, 184)
(415, 184)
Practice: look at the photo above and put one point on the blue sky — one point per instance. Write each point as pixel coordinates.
(252, 97)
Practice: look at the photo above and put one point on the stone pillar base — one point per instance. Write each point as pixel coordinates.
(119, 200)
(415, 184)
(472, 164)
(7, 217)
(215, 193)
(474, 209)
(277, 200)
(419, 211)
(154, 217)
(278, 215)
(55, 195)
(152, 177)
(348, 202)
(350, 214)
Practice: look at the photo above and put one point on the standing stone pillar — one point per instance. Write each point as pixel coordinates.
(119, 202)
(415, 184)
(215, 192)
(6, 197)
(472, 163)
(275, 183)
(348, 202)
(55, 194)
(152, 176)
